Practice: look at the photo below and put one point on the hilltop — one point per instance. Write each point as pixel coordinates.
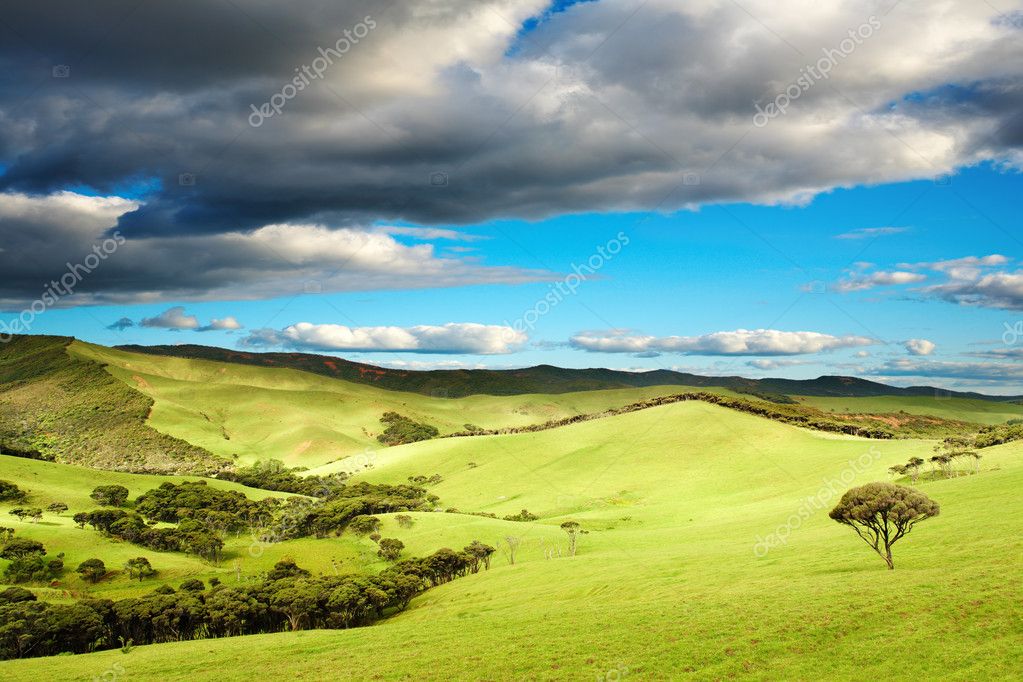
(455, 383)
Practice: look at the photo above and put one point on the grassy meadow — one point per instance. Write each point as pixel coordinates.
(672, 579)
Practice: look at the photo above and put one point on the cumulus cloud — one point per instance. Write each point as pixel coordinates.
(172, 318)
(271, 260)
(454, 337)
(738, 342)
(972, 282)
(426, 233)
(769, 364)
(604, 106)
(869, 232)
(228, 323)
(869, 281)
(919, 347)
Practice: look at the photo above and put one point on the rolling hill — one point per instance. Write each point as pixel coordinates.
(669, 582)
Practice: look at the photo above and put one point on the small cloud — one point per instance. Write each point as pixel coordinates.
(224, 324)
(766, 364)
(121, 324)
(427, 233)
(172, 318)
(919, 347)
(877, 279)
(862, 354)
(869, 232)
(454, 337)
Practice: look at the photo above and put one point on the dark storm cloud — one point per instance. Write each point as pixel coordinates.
(443, 112)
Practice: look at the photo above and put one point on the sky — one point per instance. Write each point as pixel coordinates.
(744, 188)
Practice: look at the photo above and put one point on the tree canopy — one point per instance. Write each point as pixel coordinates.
(883, 513)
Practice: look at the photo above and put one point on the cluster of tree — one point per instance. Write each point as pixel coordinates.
(28, 562)
(274, 475)
(349, 505)
(205, 515)
(948, 454)
(34, 513)
(424, 480)
(288, 598)
(523, 515)
(910, 468)
(191, 535)
(9, 492)
(172, 502)
(400, 429)
(997, 435)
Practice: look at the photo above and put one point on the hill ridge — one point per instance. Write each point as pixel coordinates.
(544, 378)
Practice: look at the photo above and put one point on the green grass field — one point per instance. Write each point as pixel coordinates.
(308, 420)
(667, 583)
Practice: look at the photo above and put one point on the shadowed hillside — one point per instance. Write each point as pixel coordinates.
(57, 407)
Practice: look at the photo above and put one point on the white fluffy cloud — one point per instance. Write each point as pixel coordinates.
(228, 323)
(172, 318)
(738, 342)
(454, 337)
(770, 364)
(877, 279)
(974, 281)
(919, 347)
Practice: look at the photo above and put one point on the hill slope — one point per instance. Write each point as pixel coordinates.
(60, 406)
(308, 420)
(669, 583)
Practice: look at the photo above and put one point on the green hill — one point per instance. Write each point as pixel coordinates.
(673, 579)
(55, 405)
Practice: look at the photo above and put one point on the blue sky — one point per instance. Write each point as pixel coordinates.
(687, 273)
(426, 193)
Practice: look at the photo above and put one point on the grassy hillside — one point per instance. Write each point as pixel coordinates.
(966, 409)
(64, 407)
(673, 579)
(308, 420)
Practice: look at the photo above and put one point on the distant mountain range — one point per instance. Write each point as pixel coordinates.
(457, 383)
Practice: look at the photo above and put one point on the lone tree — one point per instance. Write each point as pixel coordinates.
(574, 531)
(139, 567)
(57, 508)
(390, 549)
(91, 570)
(881, 513)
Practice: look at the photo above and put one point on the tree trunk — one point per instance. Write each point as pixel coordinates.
(888, 558)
